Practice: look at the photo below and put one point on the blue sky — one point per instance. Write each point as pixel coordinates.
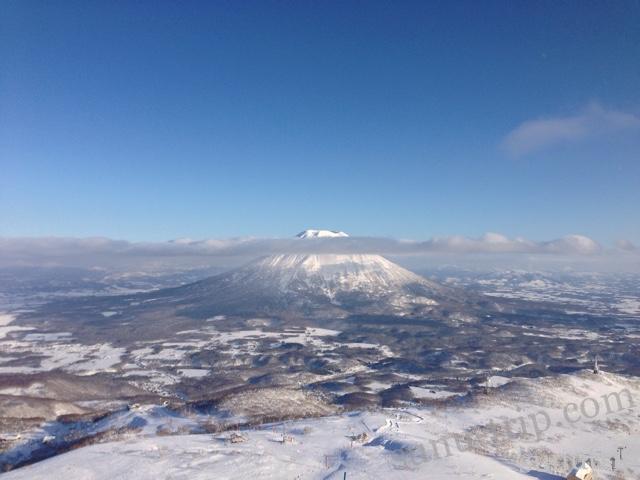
(160, 120)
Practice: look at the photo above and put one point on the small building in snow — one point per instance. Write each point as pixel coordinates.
(581, 472)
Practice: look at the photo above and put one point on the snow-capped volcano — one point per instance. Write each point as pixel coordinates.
(319, 282)
(331, 274)
(321, 234)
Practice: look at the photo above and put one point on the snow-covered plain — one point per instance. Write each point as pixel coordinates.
(261, 367)
(5, 328)
(549, 433)
(579, 293)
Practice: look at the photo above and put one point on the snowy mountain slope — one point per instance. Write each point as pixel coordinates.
(201, 457)
(399, 443)
(335, 283)
(332, 275)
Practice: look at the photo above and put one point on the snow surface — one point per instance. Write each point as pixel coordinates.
(6, 319)
(420, 392)
(397, 445)
(58, 350)
(498, 381)
(630, 306)
(5, 328)
(194, 372)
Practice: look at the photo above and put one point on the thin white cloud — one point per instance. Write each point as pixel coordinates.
(107, 252)
(626, 245)
(594, 121)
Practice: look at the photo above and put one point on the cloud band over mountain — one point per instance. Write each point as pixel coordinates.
(90, 251)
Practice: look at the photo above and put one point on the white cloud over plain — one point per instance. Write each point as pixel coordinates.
(593, 122)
